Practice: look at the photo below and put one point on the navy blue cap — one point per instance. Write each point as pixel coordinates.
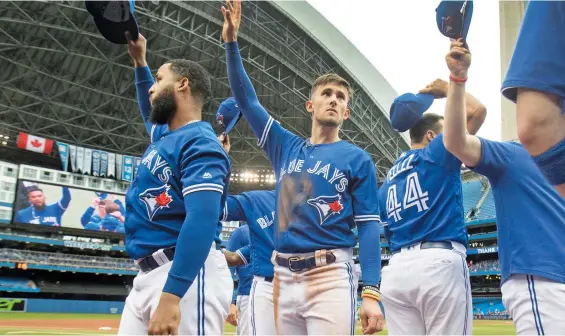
(113, 18)
(228, 114)
(407, 109)
(454, 18)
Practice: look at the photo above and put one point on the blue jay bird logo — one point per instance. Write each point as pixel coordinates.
(156, 199)
(326, 206)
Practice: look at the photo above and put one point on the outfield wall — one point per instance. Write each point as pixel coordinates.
(60, 306)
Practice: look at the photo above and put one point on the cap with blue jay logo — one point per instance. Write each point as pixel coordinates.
(453, 18)
(113, 18)
(407, 109)
(228, 114)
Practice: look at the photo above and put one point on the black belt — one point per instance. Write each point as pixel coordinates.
(149, 263)
(428, 245)
(297, 264)
(269, 279)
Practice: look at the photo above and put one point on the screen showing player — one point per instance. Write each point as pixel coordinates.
(62, 206)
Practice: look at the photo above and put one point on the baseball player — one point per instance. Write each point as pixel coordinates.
(239, 309)
(174, 205)
(425, 286)
(325, 186)
(257, 208)
(528, 210)
(535, 82)
(41, 213)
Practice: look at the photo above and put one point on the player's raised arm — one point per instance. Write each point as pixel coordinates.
(143, 82)
(205, 171)
(66, 199)
(457, 140)
(476, 111)
(242, 88)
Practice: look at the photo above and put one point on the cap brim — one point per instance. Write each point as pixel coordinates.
(115, 31)
(232, 123)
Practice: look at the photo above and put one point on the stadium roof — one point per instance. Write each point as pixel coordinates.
(62, 80)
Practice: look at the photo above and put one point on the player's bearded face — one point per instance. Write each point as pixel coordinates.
(163, 106)
(37, 199)
(329, 105)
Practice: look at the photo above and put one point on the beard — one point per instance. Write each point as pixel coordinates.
(163, 108)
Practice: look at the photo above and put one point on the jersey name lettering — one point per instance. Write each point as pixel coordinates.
(402, 166)
(326, 171)
(264, 222)
(153, 161)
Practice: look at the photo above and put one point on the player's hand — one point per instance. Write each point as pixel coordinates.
(372, 318)
(225, 141)
(137, 50)
(458, 59)
(166, 318)
(233, 259)
(232, 317)
(95, 202)
(232, 20)
(437, 88)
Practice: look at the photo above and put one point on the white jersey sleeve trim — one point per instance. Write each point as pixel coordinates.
(245, 262)
(265, 134)
(203, 186)
(366, 218)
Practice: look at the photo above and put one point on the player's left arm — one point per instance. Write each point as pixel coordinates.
(457, 139)
(202, 200)
(367, 219)
(65, 200)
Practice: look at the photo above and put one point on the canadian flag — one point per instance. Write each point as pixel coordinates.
(34, 143)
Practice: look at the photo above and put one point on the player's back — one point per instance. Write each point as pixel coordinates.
(155, 208)
(259, 208)
(530, 212)
(421, 197)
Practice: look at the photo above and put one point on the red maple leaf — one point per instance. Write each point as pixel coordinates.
(336, 206)
(36, 143)
(163, 199)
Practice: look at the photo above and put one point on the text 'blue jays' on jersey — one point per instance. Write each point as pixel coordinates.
(421, 197)
(257, 208)
(238, 239)
(186, 160)
(530, 213)
(49, 215)
(322, 190)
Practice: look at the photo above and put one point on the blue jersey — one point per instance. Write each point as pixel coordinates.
(257, 208)
(179, 162)
(421, 197)
(530, 214)
(49, 215)
(323, 190)
(238, 239)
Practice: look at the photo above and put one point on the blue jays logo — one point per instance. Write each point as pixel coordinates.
(326, 206)
(156, 199)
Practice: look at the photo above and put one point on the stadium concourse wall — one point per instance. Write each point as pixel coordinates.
(26, 305)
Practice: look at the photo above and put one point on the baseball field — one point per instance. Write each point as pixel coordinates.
(92, 324)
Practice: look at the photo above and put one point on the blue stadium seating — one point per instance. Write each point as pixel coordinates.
(487, 209)
(488, 306)
(472, 192)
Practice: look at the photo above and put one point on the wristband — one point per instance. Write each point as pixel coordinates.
(457, 79)
(371, 292)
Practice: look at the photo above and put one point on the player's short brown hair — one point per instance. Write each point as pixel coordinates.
(332, 78)
(428, 122)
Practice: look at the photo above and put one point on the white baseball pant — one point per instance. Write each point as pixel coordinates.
(204, 307)
(261, 312)
(242, 306)
(427, 292)
(319, 301)
(536, 304)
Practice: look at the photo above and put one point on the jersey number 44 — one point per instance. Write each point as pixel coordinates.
(413, 196)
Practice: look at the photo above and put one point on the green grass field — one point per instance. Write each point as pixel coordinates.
(90, 324)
